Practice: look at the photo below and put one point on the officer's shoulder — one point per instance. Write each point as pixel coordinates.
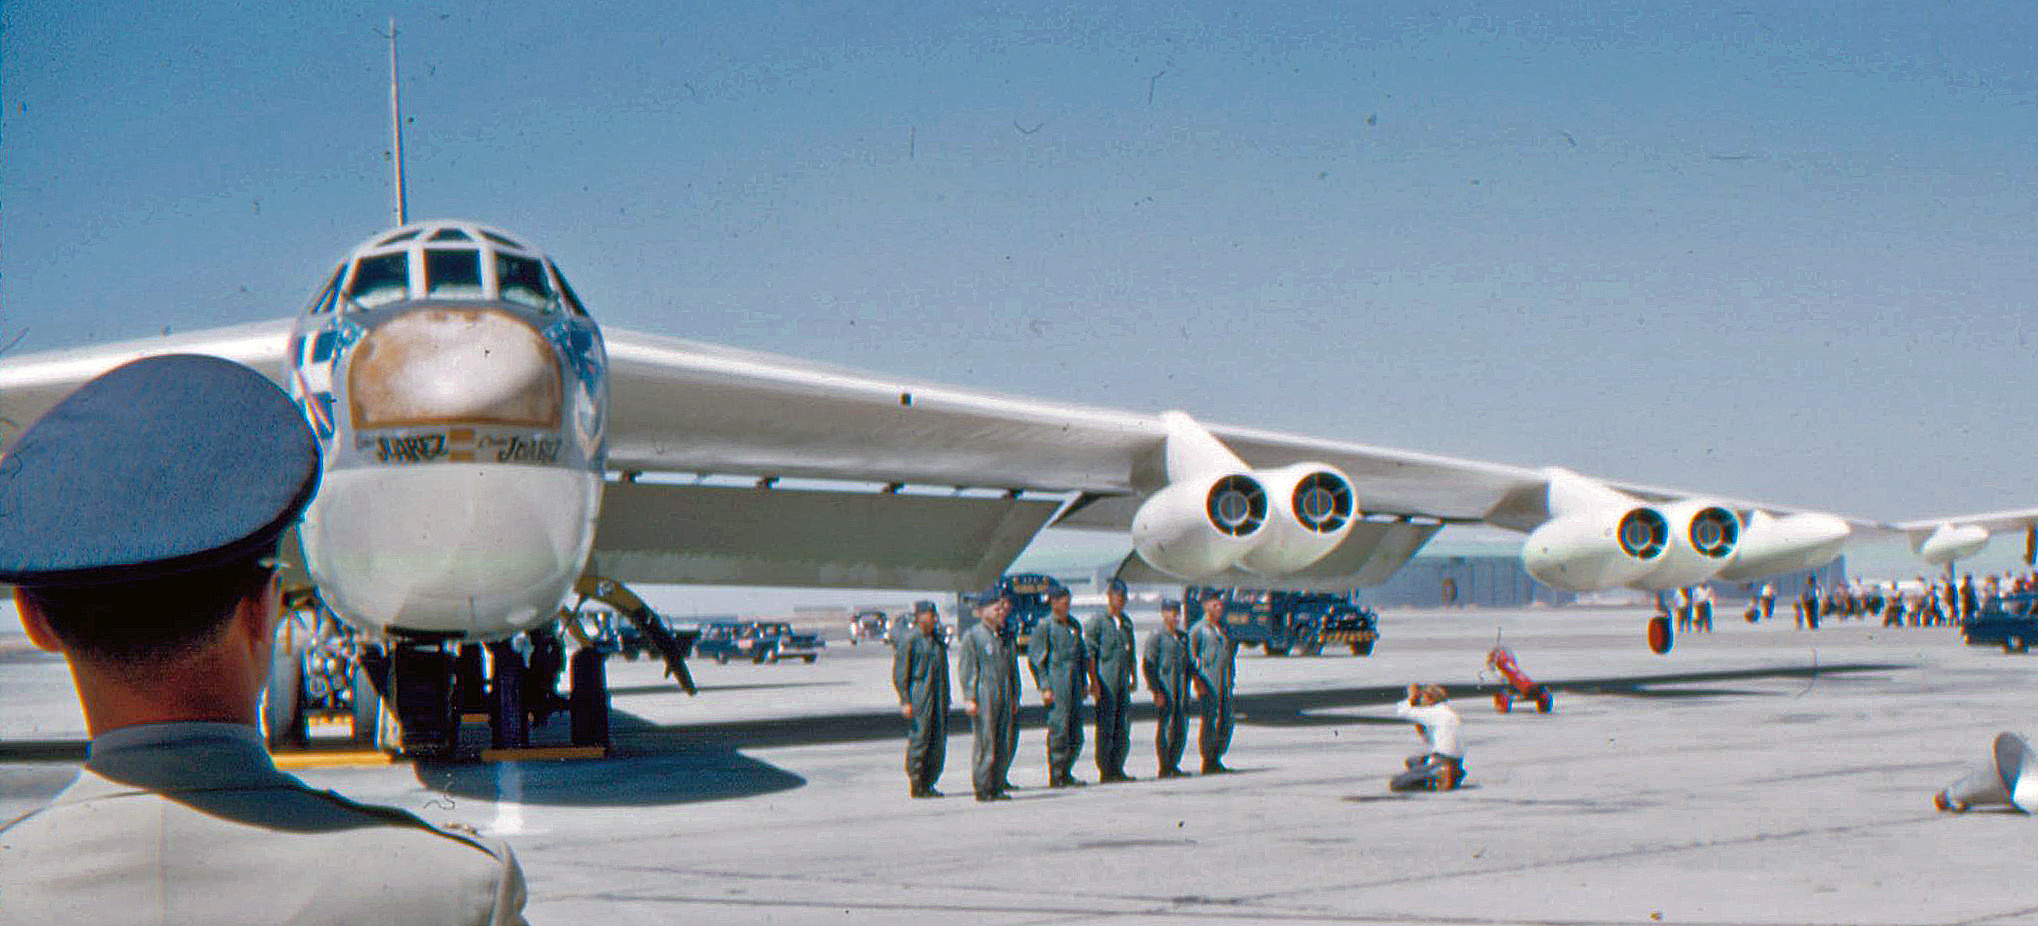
(398, 817)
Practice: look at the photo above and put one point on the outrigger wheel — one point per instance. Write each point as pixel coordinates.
(1659, 635)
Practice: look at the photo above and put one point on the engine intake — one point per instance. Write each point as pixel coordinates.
(1313, 509)
(1237, 505)
(1643, 533)
(1322, 502)
(1714, 531)
(1701, 546)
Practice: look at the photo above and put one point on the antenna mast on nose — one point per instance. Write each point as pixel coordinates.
(396, 131)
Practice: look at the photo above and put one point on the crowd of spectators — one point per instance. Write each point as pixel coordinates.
(1920, 602)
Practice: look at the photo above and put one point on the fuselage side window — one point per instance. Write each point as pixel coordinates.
(381, 279)
(453, 274)
(522, 280)
(566, 291)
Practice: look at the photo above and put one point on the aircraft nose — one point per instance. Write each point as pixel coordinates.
(441, 365)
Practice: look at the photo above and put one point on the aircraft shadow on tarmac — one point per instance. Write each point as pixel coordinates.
(666, 687)
(639, 740)
(1318, 708)
(682, 763)
(69, 750)
(672, 772)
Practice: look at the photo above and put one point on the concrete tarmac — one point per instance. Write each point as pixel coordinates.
(1756, 775)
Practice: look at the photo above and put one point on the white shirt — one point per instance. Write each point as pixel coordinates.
(1439, 723)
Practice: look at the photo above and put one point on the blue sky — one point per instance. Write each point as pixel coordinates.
(1775, 251)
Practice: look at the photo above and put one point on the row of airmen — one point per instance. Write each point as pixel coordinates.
(1069, 661)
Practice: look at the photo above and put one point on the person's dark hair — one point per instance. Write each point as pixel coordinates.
(152, 620)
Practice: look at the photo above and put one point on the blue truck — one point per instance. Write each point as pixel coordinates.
(1284, 622)
(1028, 591)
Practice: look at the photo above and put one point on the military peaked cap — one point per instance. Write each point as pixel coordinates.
(160, 466)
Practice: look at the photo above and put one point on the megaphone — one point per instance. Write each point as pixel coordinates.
(2002, 780)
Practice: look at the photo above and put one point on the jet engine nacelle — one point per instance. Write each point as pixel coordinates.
(1201, 527)
(1771, 545)
(1950, 542)
(1703, 537)
(1311, 508)
(1596, 549)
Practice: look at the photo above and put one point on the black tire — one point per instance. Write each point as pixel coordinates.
(509, 718)
(1273, 650)
(587, 704)
(1363, 649)
(1660, 639)
(283, 720)
(367, 705)
(1544, 701)
(810, 659)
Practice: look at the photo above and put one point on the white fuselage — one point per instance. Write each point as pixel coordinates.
(459, 394)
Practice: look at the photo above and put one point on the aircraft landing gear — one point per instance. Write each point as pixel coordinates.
(409, 695)
(1659, 635)
(589, 704)
(509, 726)
(419, 692)
(470, 690)
(366, 681)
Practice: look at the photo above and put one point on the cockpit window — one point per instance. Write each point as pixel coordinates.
(449, 234)
(323, 302)
(381, 279)
(399, 236)
(505, 242)
(453, 274)
(522, 281)
(566, 291)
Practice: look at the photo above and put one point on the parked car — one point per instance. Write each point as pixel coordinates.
(725, 640)
(775, 641)
(867, 624)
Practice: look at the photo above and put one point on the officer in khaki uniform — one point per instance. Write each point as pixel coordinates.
(1113, 650)
(1165, 663)
(137, 520)
(920, 673)
(1061, 670)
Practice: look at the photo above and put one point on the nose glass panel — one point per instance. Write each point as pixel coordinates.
(446, 366)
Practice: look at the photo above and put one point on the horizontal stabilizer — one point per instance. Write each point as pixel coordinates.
(794, 537)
